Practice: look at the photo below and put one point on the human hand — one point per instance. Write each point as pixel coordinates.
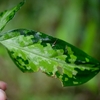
(3, 87)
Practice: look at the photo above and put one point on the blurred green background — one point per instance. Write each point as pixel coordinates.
(75, 21)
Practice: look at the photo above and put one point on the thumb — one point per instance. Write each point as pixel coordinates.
(2, 95)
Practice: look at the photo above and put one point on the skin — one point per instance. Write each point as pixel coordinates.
(3, 87)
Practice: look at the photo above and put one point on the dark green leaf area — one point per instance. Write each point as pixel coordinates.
(32, 51)
(80, 78)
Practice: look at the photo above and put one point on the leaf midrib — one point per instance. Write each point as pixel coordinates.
(5, 43)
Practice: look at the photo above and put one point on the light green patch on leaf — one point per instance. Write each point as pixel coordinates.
(87, 60)
(24, 41)
(70, 52)
(75, 82)
(66, 79)
(72, 58)
(74, 72)
(68, 73)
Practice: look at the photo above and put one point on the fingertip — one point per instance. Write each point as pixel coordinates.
(2, 95)
(3, 85)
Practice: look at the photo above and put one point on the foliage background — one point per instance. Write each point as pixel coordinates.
(77, 22)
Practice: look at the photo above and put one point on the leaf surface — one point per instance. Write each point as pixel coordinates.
(7, 15)
(33, 51)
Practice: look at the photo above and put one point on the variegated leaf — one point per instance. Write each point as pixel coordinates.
(32, 51)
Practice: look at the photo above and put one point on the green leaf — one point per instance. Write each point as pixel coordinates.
(7, 15)
(33, 51)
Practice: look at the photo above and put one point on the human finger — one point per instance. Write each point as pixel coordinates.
(2, 95)
(3, 85)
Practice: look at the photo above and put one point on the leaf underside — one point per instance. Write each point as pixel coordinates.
(32, 51)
